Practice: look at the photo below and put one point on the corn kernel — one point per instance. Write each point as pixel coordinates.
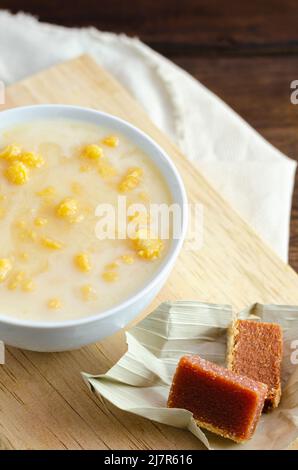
(15, 280)
(112, 266)
(127, 259)
(54, 303)
(147, 248)
(19, 276)
(131, 180)
(25, 233)
(28, 285)
(31, 235)
(110, 276)
(111, 141)
(12, 285)
(5, 267)
(40, 221)
(17, 173)
(67, 209)
(106, 171)
(82, 262)
(11, 152)
(88, 292)
(140, 217)
(92, 152)
(51, 244)
(47, 193)
(31, 159)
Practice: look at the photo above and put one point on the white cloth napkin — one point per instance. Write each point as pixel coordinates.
(250, 173)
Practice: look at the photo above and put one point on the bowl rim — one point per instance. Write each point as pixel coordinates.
(175, 247)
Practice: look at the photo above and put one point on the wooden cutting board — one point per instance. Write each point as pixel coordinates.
(44, 403)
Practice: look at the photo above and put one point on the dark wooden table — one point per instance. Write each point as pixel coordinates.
(246, 52)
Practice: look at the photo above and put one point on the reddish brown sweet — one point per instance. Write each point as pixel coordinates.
(255, 350)
(222, 402)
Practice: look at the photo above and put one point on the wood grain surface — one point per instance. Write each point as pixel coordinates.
(44, 403)
(246, 52)
(172, 26)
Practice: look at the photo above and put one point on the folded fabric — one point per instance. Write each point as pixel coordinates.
(250, 173)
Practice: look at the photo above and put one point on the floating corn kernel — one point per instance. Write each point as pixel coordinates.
(28, 285)
(11, 152)
(47, 193)
(67, 209)
(92, 152)
(140, 217)
(17, 173)
(147, 248)
(88, 292)
(110, 276)
(31, 235)
(31, 159)
(127, 259)
(40, 221)
(15, 280)
(82, 262)
(111, 141)
(131, 180)
(12, 285)
(51, 244)
(25, 234)
(133, 216)
(28, 234)
(54, 304)
(5, 267)
(106, 170)
(112, 266)
(19, 276)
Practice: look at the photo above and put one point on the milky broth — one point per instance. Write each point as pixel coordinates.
(54, 273)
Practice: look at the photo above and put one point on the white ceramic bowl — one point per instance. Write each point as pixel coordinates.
(71, 334)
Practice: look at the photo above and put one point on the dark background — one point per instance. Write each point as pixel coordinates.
(244, 51)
